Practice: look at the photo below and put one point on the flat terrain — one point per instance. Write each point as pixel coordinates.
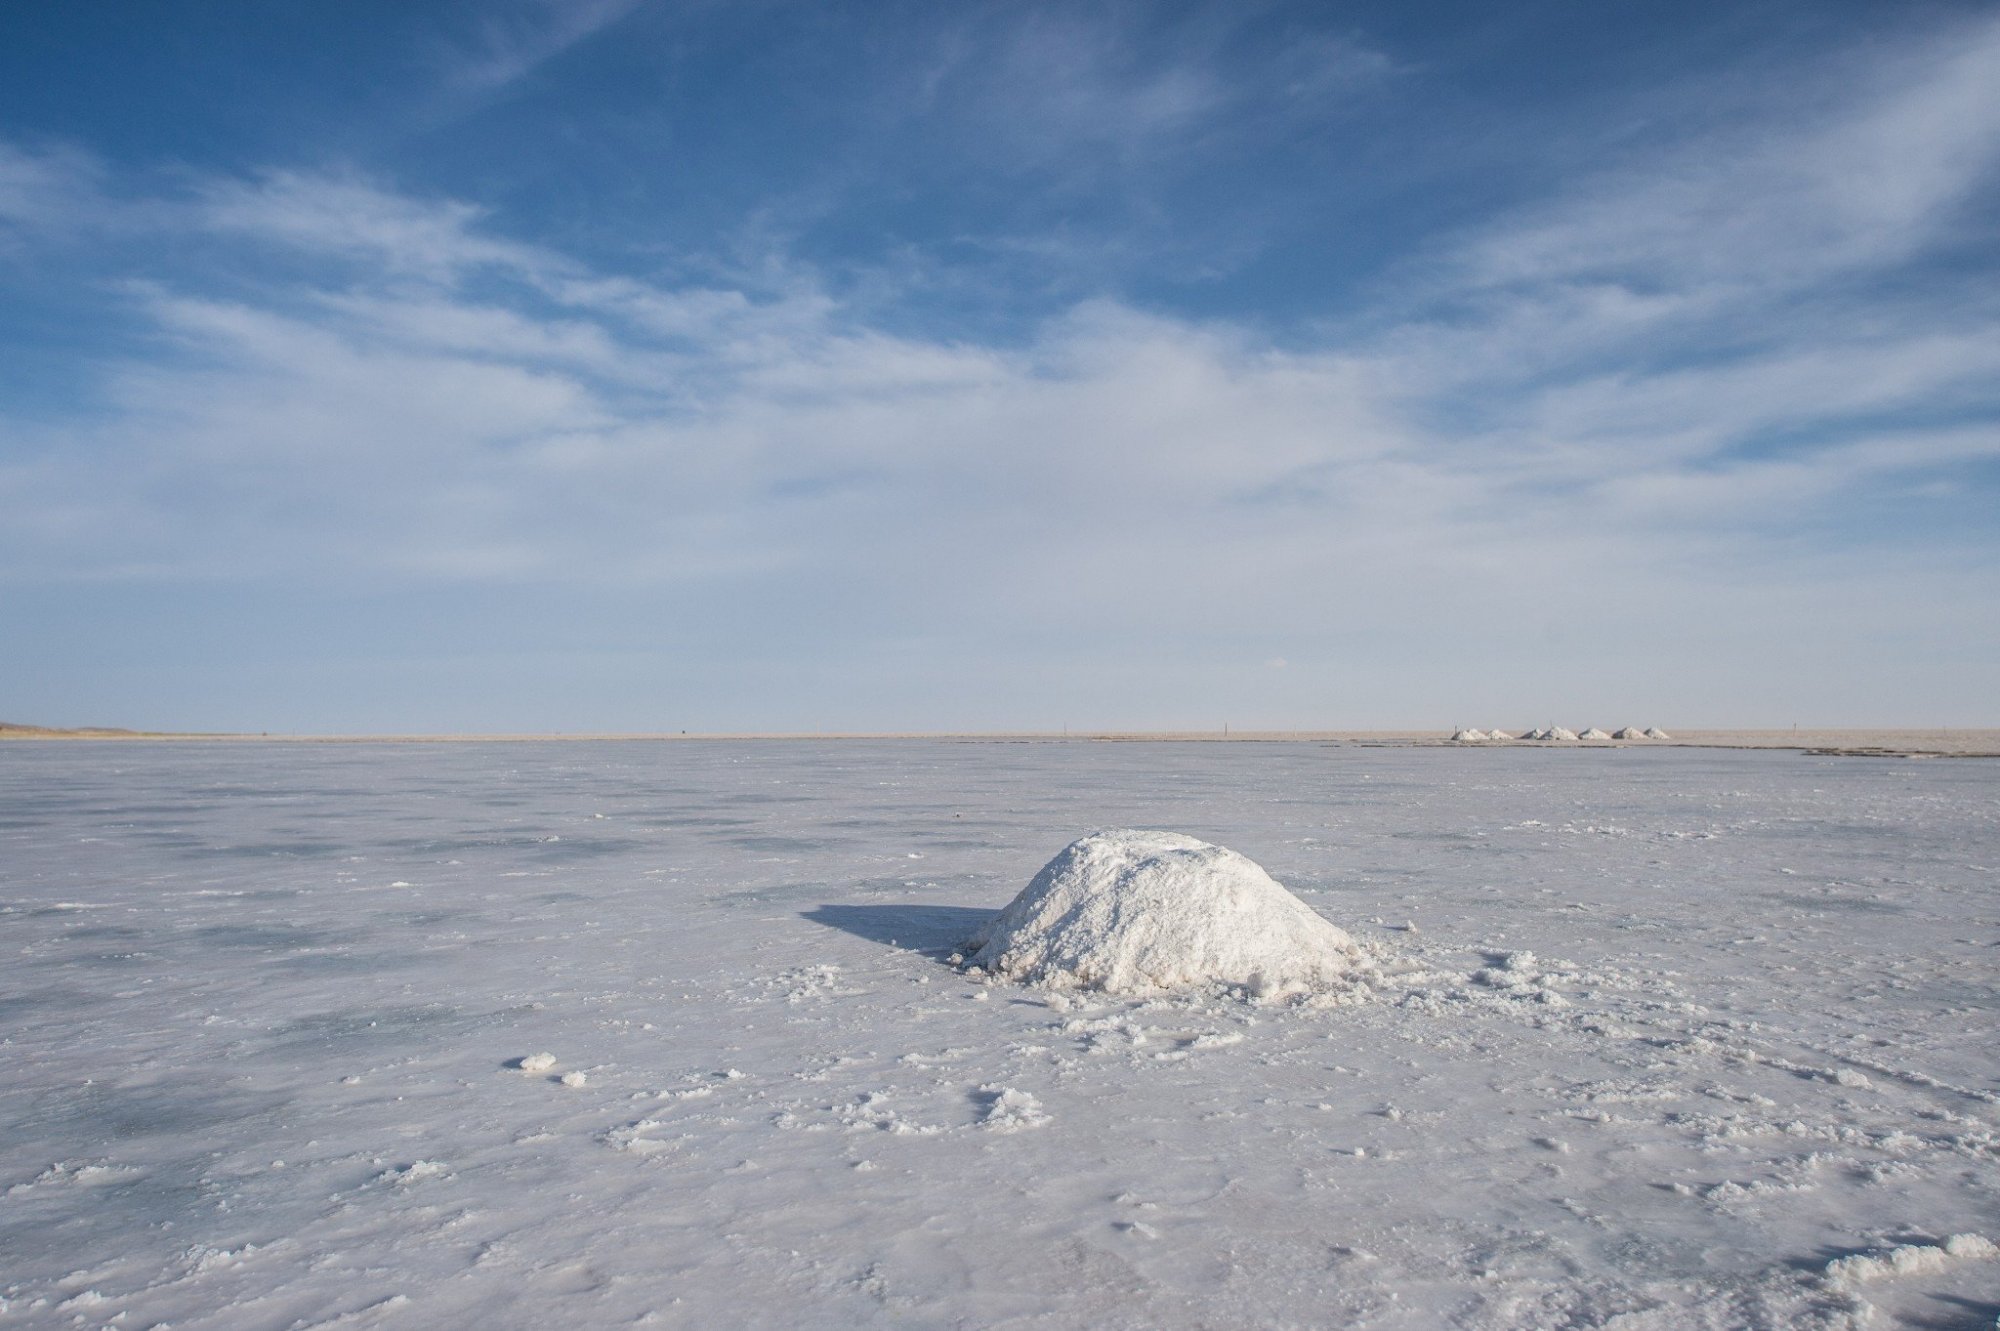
(1964, 743)
(1665, 1037)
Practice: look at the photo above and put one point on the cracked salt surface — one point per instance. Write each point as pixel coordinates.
(1660, 1039)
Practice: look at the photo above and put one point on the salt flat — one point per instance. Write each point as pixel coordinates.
(1665, 1037)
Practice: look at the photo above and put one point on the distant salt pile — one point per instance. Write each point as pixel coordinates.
(1534, 734)
(1628, 732)
(1654, 732)
(1129, 912)
(1468, 737)
(1557, 732)
(1594, 733)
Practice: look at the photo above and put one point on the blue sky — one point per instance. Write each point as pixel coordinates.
(770, 366)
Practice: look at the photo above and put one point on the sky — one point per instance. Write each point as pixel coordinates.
(622, 365)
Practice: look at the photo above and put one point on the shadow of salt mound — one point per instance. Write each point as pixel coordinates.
(1963, 1315)
(938, 929)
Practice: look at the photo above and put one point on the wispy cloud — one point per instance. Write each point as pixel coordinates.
(513, 41)
(1872, 178)
(44, 192)
(1054, 84)
(348, 217)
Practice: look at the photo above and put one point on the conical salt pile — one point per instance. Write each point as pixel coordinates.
(1131, 912)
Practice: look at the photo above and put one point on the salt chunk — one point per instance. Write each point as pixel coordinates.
(1011, 1110)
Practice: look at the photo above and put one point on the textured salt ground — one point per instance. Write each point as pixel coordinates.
(1674, 1033)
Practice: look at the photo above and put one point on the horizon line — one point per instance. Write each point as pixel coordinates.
(1972, 741)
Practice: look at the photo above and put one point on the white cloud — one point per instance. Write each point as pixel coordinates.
(352, 218)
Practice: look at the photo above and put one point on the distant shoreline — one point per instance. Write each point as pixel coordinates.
(1861, 742)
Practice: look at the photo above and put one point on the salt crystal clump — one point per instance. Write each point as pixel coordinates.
(1911, 1259)
(1129, 912)
(1011, 1110)
(537, 1062)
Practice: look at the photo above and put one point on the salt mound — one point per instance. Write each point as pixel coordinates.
(1654, 732)
(1594, 733)
(1467, 736)
(1628, 732)
(1557, 732)
(1130, 912)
